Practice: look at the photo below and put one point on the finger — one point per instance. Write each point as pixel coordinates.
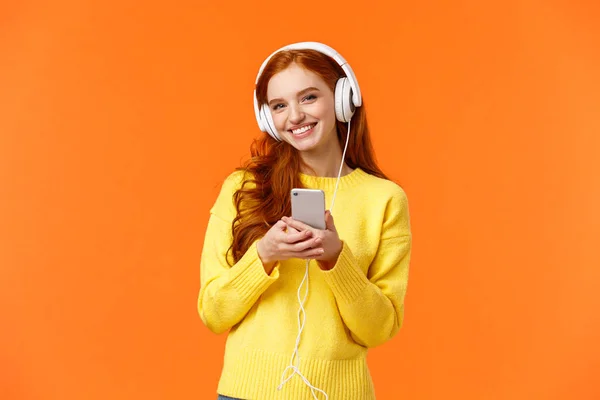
(308, 254)
(298, 236)
(307, 244)
(297, 224)
(329, 221)
(280, 225)
(289, 229)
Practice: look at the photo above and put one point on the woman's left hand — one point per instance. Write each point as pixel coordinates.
(330, 241)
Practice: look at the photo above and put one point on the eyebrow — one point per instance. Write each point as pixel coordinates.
(300, 93)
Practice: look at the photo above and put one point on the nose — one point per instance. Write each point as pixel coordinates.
(296, 114)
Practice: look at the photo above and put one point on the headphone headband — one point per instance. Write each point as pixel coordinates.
(324, 49)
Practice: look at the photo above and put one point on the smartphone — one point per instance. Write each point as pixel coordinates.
(308, 206)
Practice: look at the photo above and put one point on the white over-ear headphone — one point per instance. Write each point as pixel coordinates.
(347, 92)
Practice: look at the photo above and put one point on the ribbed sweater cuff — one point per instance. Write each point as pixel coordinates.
(345, 279)
(250, 282)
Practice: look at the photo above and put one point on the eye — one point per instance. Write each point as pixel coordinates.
(277, 106)
(310, 97)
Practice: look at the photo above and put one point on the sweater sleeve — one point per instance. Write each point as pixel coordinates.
(227, 292)
(372, 305)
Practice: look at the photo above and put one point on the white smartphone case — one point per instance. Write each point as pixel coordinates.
(308, 206)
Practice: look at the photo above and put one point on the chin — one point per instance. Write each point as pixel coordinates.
(306, 144)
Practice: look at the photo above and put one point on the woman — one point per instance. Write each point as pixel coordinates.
(254, 267)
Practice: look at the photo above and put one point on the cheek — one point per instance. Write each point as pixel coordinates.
(278, 120)
(327, 110)
(327, 115)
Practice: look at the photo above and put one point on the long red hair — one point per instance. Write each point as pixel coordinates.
(273, 168)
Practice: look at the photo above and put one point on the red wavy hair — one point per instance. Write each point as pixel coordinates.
(273, 169)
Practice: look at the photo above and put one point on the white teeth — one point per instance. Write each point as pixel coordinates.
(302, 130)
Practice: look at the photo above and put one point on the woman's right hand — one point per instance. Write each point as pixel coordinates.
(282, 242)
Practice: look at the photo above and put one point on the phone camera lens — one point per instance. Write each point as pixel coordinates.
(295, 193)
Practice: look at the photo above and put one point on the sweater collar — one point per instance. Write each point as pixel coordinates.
(352, 179)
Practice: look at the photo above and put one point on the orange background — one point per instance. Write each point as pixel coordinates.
(120, 119)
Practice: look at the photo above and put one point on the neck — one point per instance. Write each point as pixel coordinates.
(324, 162)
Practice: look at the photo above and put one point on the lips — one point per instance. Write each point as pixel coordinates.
(302, 129)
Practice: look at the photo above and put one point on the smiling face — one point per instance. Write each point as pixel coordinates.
(302, 107)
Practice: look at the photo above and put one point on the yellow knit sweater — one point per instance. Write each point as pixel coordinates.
(356, 305)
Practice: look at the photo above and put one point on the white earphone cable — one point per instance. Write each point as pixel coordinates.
(341, 166)
(295, 367)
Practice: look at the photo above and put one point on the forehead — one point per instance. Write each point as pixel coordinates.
(292, 80)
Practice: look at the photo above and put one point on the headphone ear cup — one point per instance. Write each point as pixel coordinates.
(261, 123)
(268, 123)
(344, 108)
(258, 115)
